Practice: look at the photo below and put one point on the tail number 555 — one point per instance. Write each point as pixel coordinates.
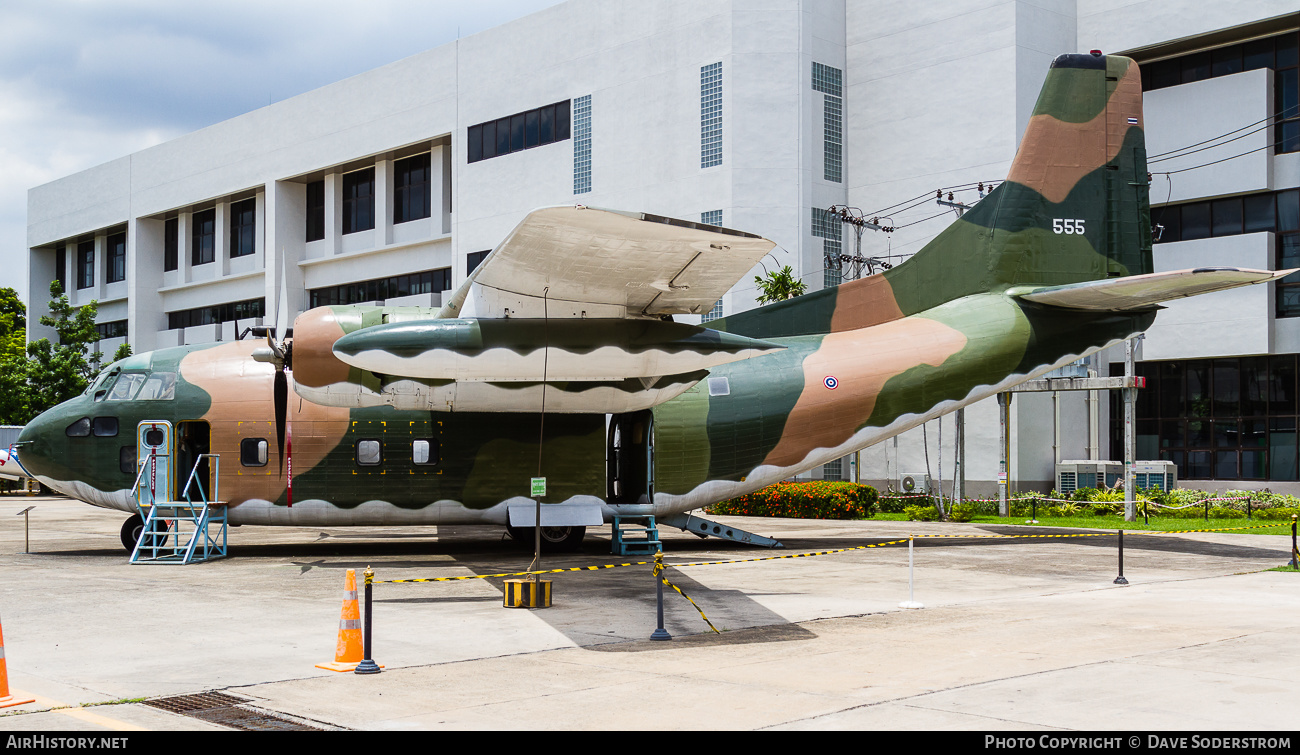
(1067, 226)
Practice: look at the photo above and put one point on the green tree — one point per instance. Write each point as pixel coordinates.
(58, 372)
(122, 352)
(13, 359)
(779, 286)
(13, 324)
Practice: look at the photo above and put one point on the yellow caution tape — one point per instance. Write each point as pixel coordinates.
(1221, 529)
(635, 563)
(658, 572)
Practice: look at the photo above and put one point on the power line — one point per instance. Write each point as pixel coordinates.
(1276, 116)
(1205, 165)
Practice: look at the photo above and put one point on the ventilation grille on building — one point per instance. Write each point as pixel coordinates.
(582, 145)
(711, 115)
(829, 81)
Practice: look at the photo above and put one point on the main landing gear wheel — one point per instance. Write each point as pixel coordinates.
(131, 530)
(554, 539)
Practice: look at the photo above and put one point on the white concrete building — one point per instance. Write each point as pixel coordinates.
(390, 185)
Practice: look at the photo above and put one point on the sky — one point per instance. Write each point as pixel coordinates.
(83, 82)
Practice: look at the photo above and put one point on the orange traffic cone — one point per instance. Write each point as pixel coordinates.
(349, 651)
(7, 700)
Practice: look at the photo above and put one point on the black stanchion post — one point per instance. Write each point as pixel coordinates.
(1145, 518)
(660, 633)
(1248, 508)
(368, 666)
(1295, 554)
(1120, 579)
(1207, 511)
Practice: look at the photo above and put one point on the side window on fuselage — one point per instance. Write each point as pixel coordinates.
(252, 452)
(369, 453)
(424, 452)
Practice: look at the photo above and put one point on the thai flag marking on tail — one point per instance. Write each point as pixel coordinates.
(1133, 120)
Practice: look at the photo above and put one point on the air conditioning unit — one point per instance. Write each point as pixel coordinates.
(1155, 474)
(1072, 475)
(913, 482)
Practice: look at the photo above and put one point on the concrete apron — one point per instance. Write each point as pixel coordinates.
(1016, 634)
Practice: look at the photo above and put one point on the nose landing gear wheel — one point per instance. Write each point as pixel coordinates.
(554, 539)
(131, 530)
(133, 527)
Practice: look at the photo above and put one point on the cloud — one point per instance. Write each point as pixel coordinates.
(83, 82)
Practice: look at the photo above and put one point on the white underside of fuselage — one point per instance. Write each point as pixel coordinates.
(321, 513)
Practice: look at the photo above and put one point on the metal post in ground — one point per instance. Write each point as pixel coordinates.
(1295, 554)
(27, 529)
(660, 633)
(1120, 579)
(368, 665)
(1207, 511)
(911, 582)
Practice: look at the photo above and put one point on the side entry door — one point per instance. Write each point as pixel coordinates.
(154, 449)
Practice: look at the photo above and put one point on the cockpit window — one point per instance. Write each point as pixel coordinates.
(126, 386)
(99, 388)
(160, 386)
(79, 429)
(139, 386)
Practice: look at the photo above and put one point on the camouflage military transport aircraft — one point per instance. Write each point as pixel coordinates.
(559, 354)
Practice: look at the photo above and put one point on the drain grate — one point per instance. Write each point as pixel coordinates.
(220, 708)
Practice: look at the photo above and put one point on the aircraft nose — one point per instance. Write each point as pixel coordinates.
(36, 444)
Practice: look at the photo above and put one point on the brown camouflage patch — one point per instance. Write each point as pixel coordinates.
(243, 406)
(860, 362)
(863, 303)
(1055, 154)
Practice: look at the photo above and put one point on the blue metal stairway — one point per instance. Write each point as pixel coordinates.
(644, 534)
(182, 531)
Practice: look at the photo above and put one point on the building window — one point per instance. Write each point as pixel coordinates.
(713, 314)
(711, 115)
(1278, 212)
(203, 237)
(829, 81)
(315, 210)
(114, 329)
(85, 264)
(411, 197)
(243, 224)
(61, 268)
(515, 133)
(171, 244)
(1216, 419)
(359, 201)
(115, 265)
(474, 259)
(712, 217)
(582, 145)
(380, 289)
(1281, 53)
(217, 313)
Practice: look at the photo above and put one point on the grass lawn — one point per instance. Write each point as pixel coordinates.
(1277, 527)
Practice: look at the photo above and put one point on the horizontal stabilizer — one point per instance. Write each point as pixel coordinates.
(1138, 291)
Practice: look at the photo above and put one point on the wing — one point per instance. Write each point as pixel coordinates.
(584, 262)
(1139, 291)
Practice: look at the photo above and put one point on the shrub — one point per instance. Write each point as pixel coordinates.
(963, 512)
(804, 500)
(921, 513)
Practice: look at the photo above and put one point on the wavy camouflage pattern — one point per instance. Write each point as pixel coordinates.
(861, 362)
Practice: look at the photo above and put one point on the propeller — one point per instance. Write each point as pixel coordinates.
(280, 355)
